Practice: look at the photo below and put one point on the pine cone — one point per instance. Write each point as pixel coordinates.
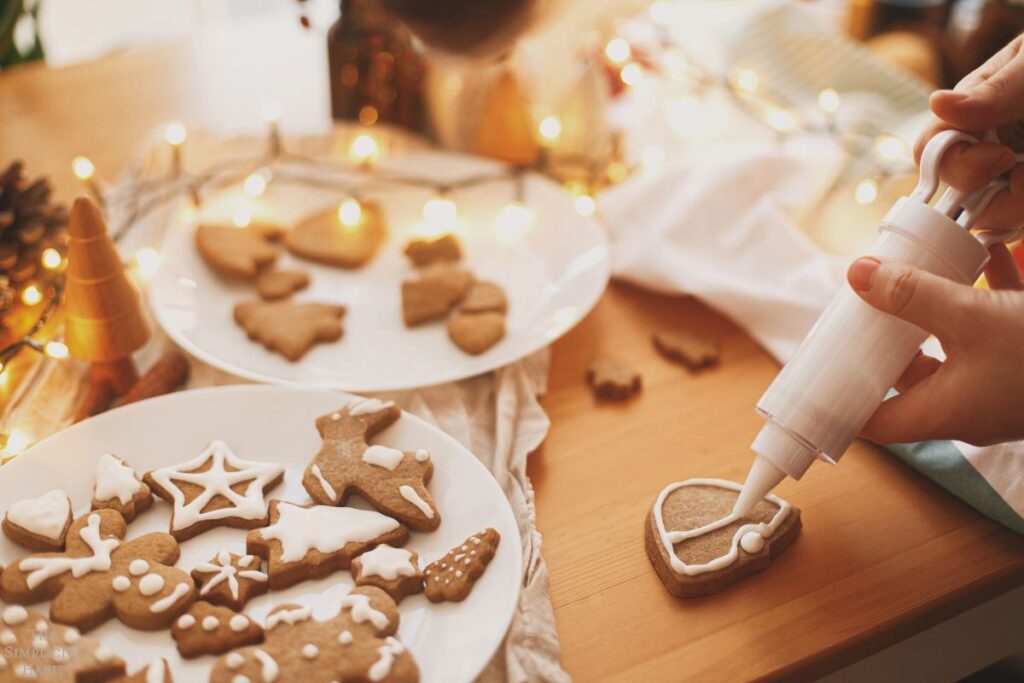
(29, 223)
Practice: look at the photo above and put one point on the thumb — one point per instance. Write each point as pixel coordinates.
(933, 303)
(994, 99)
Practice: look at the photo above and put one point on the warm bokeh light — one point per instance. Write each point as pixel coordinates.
(17, 441)
(890, 148)
(780, 119)
(83, 168)
(363, 149)
(271, 107)
(242, 218)
(51, 258)
(747, 80)
(512, 223)
(349, 212)
(147, 260)
(440, 211)
(550, 128)
(255, 184)
(632, 74)
(175, 133)
(56, 349)
(618, 51)
(31, 295)
(585, 205)
(828, 100)
(866, 191)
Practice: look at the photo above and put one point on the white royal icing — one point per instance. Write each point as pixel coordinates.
(240, 679)
(752, 542)
(269, 668)
(156, 673)
(72, 635)
(324, 528)
(103, 654)
(238, 623)
(45, 515)
(362, 611)
(138, 567)
(151, 584)
(43, 568)
(345, 637)
(114, 479)
(186, 621)
(670, 538)
(409, 493)
(7, 637)
(210, 623)
(310, 651)
(381, 669)
(121, 583)
(217, 481)
(165, 603)
(366, 406)
(223, 570)
(325, 485)
(383, 456)
(422, 455)
(288, 616)
(234, 661)
(386, 562)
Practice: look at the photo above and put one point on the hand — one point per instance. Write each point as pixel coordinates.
(977, 394)
(991, 97)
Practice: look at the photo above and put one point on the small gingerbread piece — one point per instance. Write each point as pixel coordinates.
(230, 580)
(278, 284)
(212, 630)
(313, 541)
(396, 571)
(452, 577)
(484, 297)
(119, 488)
(613, 379)
(290, 328)
(325, 239)
(36, 649)
(237, 252)
(689, 350)
(216, 488)
(157, 671)
(39, 523)
(355, 646)
(475, 333)
(100, 576)
(434, 294)
(393, 481)
(426, 251)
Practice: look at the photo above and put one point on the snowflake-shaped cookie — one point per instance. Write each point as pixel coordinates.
(230, 580)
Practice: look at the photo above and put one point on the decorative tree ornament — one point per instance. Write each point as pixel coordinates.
(506, 129)
(104, 320)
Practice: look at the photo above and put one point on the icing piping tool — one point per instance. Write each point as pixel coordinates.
(849, 361)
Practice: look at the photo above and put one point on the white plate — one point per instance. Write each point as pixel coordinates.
(450, 641)
(553, 275)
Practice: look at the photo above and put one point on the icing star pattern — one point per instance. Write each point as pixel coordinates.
(230, 580)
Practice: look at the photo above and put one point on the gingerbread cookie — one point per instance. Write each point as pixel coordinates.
(452, 577)
(100, 575)
(39, 523)
(118, 488)
(237, 252)
(355, 646)
(393, 481)
(475, 333)
(216, 488)
(230, 580)
(426, 251)
(484, 297)
(698, 546)
(312, 541)
(36, 649)
(212, 630)
(396, 571)
(325, 239)
(290, 328)
(278, 284)
(690, 350)
(613, 379)
(433, 294)
(158, 671)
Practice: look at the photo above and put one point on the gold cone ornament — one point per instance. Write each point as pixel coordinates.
(506, 129)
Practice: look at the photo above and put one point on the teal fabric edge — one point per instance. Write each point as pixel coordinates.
(943, 463)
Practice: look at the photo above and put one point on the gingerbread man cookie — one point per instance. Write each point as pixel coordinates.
(310, 542)
(100, 575)
(118, 488)
(230, 580)
(212, 630)
(396, 571)
(452, 577)
(39, 523)
(32, 648)
(393, 481)
(355, 646)
(158, 671)
(205, 491)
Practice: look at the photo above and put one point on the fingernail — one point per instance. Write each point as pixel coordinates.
(861, 271)
(955, 95)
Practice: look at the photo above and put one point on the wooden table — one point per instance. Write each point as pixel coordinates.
(883, 554)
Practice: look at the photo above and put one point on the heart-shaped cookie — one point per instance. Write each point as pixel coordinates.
(39, 523)
(698, 546)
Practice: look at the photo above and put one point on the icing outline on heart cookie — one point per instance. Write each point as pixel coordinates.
(669, 539)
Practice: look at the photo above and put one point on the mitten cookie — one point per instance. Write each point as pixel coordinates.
(237, 252)
(310, 542)
(118, 488)
(433, 294)
(325, 239)
(39, 523)
(396, 571)
(288, 327)
(393, 481)
(425, 251)
(216, 488)
(100, 575)
(474, 333)
(690, 350)
(356, 645)
(211, 630)
(613, 379)
(452, 577)
(158, 671)
(278, 284)
(698, 546)
(230, 580)
(36, 649)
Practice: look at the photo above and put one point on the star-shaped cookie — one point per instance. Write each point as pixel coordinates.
(393, 481)
(230, 580)
(205, 491)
